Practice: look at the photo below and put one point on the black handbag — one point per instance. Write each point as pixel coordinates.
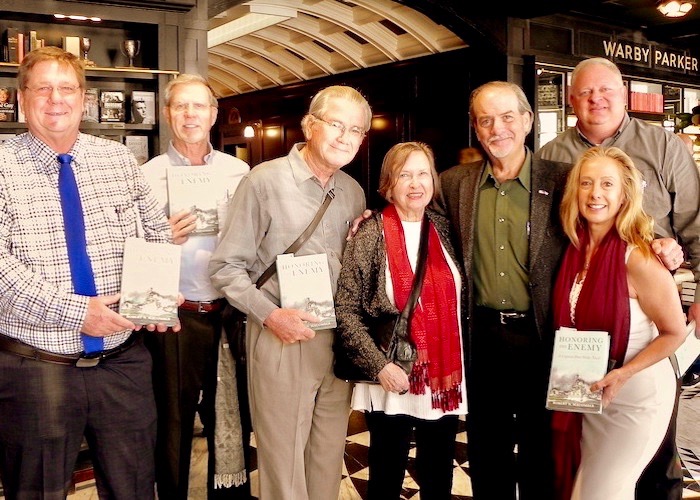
(234, 321)
(390, 333)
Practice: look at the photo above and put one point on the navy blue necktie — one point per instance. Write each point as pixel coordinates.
(80, 265)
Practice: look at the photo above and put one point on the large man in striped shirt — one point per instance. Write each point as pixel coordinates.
(51, 392)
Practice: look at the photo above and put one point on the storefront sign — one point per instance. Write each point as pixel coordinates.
(638, 54)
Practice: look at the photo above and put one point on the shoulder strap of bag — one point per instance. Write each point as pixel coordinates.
(420, 269)
(272, 269)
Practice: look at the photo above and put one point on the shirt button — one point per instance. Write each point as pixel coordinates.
(501, 274)
(501, 219)
(502, 193)
(501, 247)
(503, 301)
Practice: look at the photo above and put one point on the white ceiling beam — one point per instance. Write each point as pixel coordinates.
(260, 16)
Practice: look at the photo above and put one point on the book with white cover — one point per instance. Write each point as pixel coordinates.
(689, 350)
(305, 283)
(579, 359)
(199, 190)
(138, 145)
(150, 282)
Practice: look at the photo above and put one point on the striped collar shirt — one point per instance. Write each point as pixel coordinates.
(37, 303)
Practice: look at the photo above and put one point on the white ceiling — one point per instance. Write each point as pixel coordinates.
(266, 43)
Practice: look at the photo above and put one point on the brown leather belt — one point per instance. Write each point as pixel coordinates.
(82, 360)
(204, 306)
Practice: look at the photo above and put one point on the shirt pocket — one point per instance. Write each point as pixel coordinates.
(121, 219)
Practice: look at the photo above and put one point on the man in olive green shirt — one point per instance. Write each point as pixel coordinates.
(504, 212)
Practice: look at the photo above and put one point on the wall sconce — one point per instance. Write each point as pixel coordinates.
(675, 8)
(248, 131)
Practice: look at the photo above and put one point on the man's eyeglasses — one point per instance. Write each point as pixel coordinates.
(355, 132)
(181, 107)
(46, 91)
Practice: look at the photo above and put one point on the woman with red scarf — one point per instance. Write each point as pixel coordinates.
(611, 280)
(375, 280)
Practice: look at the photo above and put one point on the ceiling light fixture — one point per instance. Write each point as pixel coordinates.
(78, 18)
(675, 8)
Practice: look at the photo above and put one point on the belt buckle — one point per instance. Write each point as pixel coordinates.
(88, 360)
(201, 306)
(509, 315)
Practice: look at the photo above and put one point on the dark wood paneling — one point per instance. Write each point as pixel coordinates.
(424, 99)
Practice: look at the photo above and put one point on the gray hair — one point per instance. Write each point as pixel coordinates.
(595, 61)
(523, 103)
(319, 105)
(186, 79)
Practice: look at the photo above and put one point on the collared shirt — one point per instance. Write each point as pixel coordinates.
(501, 246)
(37, 303)
(272, 206)
(671, 178)
(195, 283)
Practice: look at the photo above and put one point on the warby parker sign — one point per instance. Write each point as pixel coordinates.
(638, 54)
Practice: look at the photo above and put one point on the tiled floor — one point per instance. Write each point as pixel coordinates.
(354, 484)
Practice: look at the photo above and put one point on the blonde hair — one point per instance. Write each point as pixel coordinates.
(63, 58)
(320, 102)
(633, 225)
(395, 159)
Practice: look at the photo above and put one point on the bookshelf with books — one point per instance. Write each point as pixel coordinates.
(110, 72)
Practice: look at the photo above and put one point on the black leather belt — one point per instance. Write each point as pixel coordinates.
(203, 306)
(82, 360)
(504, 317)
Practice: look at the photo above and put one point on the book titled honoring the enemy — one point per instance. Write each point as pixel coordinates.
(199, 190)
(305, 283)
(580, 358)
(150, 282)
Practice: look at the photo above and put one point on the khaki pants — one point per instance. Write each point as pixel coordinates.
(300, 415)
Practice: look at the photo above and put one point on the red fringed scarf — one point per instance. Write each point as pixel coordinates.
(434, 326)
(602, 305)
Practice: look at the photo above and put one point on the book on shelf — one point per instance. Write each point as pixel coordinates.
(72, 44)
(305, 283)
(11, 45)
(138, 145)
(689, 350)
(199, 190)
(688, 292)
(143, 107)
(34, 42)
(91, 105)
(8, 104)
(5, 137)
(579, 359)
(112, 106)
(20, 113)
(150, 282)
